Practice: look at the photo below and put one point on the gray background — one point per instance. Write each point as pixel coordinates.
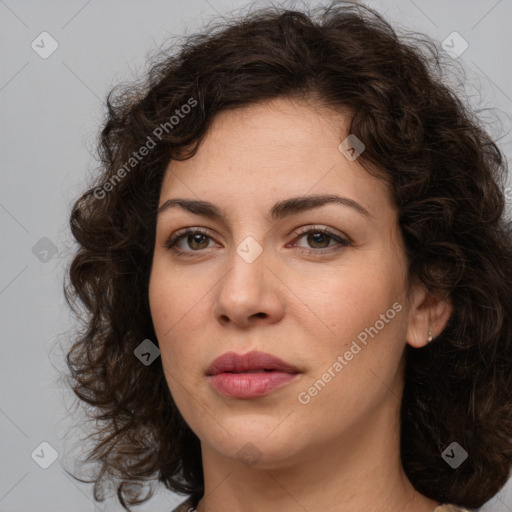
(51, 110)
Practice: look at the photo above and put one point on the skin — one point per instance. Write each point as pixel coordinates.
(340, 451)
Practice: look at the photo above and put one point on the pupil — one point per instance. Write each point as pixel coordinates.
(318, 237)
(196, 239)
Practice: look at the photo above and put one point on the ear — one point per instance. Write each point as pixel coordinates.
(427, 313)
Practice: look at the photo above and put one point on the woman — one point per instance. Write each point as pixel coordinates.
(294, 265)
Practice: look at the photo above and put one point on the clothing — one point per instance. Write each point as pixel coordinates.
(186, 506)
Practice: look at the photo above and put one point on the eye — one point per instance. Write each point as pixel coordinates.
(195, 238)
(320, 238)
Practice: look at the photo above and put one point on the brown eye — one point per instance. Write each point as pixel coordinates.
(198, 239)
(319, 239)
(195, 240)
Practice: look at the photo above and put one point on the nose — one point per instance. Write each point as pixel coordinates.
(250, 293)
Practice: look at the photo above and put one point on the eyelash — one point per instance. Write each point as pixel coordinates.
(175, 238)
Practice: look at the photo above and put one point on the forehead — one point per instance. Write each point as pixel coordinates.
(267, 151)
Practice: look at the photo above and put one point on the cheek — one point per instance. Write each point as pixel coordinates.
(171, 297)
(178, 313)
(365, 311)
(167, 306)
(357, 296)
(365, 314)
(169, 315)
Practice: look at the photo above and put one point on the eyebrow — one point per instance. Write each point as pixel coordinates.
(281, 209)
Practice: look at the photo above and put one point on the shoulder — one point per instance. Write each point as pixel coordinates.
(449, 508)
(186, 506)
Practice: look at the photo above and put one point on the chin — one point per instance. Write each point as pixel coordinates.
(255, 441)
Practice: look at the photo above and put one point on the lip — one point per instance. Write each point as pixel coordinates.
(249, 375)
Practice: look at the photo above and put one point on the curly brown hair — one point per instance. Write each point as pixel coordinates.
(447, 178)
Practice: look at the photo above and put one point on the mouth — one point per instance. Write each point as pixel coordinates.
(250, 375)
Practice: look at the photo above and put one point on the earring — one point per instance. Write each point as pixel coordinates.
(429, 337)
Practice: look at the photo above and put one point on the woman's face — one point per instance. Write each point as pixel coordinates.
(261, 275)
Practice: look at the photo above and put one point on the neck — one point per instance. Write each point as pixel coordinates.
(363, 473)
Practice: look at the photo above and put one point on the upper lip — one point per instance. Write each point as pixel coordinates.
(236, 363)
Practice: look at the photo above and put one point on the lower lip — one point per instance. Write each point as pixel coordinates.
(249, 385)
